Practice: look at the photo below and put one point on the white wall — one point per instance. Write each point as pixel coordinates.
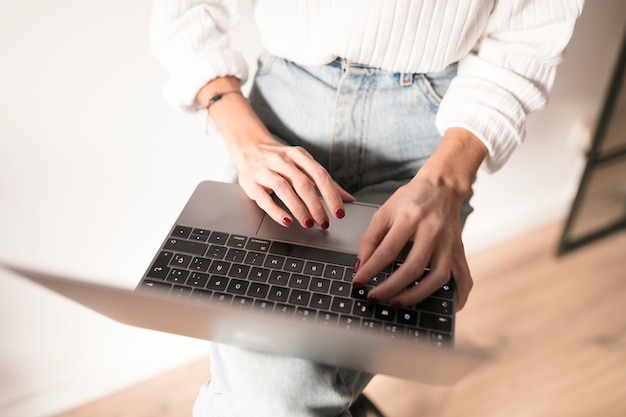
(94, 167)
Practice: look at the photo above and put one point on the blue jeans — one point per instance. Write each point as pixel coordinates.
(372, 130)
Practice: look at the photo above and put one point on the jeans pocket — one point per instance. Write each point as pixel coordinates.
(264, 63)
(435, 84)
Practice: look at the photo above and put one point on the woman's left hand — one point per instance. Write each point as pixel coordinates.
(425, 212)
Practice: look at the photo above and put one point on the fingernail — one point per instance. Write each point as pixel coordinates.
(372, 300)
(324, 225)
(396, 305)
(357, 264)
(340, 213)
(287, 221)
(308, 223)
(357, 285)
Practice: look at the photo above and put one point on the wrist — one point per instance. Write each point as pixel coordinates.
(455, 162)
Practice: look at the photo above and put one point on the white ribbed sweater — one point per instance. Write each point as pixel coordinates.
(507, 50)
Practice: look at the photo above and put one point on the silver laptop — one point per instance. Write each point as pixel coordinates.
(228, 273)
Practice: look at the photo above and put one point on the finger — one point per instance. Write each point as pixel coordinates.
(295, 189)
(437, 277)
(264, 200)
(411, 269)
(330, 191)
(462, 279)
(373, 256)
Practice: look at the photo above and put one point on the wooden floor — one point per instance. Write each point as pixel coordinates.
(557, 327)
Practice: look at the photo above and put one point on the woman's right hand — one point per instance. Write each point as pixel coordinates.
(268, 167)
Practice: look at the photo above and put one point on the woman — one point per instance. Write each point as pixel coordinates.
(391, 102)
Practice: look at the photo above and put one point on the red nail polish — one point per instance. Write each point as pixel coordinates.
(340, 213)
(357, 285)
(324, 225)
(372, 300)
(308, 223)
(396, 305)
(287, 221)
(357, 264)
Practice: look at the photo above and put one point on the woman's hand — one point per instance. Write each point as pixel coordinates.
(426, 212)
(267, 166)
(293, 175)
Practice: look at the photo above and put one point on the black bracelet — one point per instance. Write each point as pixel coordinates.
(218, 97)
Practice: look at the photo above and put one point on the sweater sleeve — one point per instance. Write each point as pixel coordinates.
(509, 73)
(191, 39)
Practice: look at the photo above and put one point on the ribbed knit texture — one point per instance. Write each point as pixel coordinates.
(507, 50)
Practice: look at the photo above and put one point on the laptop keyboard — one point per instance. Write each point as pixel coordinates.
(308, 284)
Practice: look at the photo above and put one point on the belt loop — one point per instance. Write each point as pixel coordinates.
(406, 79)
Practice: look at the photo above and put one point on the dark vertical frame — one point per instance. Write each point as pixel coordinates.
(596, 159)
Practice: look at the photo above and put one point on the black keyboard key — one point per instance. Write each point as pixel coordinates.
(320, 301)
(181, 232)
(177, 276)
(436, 322)
(235, 255)
(159, 272)
(299, 281)
(219, 267)
(216, 252)
(334, 271)
(263, 306)
(221, 299)
(340, 288)
(258, 290)
(237, 241)
(342, 305)
(200, 264)
(201, 232)
(408, 317)
(300, 298)
(435, 305)
(239, 271)
(279, 278)
(180, 260)
(219, 238)
(360, 293)
(363, 309)
(294, 265)
(319, 284)
(279, 294)
(197, 279)
(237, 286)
(394, 331)
(186, 246)
(371, 326)
(259, 245)
(274, 261)
(313, 268)
(440, 339)
(200, 296)
(254, 258)
(259, 274)
(349, 323)
(447, 291)
(328, 319)
(306, 314)
(217, 283)
(242, 303)
(416, 335)
(284, 310)
(158, 286)
(180, 291)
(383, 312)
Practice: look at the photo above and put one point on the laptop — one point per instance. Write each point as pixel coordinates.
(228, 273)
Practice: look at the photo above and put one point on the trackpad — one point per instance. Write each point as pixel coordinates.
(342, 235)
